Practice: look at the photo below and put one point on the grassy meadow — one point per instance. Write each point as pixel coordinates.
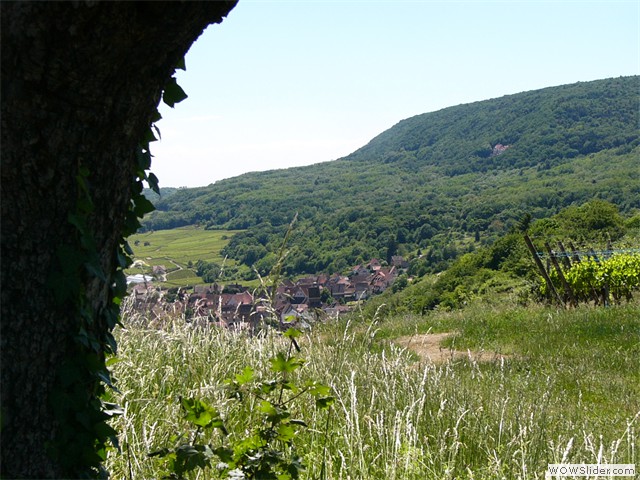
(177, 247)
(554, 386)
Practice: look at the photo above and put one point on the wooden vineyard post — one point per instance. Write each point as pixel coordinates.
(565, 284)
(540, 266)
(603, 295)
(565, 258)
(576, 257)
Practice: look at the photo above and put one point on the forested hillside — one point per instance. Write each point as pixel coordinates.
(437, 184)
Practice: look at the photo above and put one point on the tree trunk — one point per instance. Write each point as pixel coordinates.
(80, 83)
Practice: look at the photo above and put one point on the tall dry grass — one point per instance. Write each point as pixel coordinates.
(555, 400)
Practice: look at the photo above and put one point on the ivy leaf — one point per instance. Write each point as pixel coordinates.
(142, 206)
(181, 65)
(69, 374)
(106, 379)
(149, 137)
(127, 249)
(96, 270)
(65, 281)
(120, 284)
(152, 180)
(112, 409)
(131, 224)
(79, 222)
(143, 159)
(156, 117)
(173, 93)
(112, 361)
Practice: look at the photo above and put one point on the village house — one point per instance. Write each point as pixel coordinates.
(300, 302)
(374, 265)
(299, 315)
(399, 262)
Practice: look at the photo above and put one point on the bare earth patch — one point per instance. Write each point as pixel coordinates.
(428, 347)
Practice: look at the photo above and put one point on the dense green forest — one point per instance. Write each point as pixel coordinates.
(507, 267)
(434, 186)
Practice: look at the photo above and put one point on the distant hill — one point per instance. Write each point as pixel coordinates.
(437, 183)
(165, 192)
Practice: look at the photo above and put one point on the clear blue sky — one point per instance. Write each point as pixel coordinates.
(288, 83)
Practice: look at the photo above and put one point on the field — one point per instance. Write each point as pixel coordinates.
(177, 247)
(538, 385)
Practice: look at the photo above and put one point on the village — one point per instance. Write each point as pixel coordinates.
(301, 303)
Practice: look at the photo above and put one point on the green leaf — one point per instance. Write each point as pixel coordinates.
(142, 206)
(201, 414)
(190, 457)
(157, 130)
(112, 409)
(291, 386)
(266, 387)
(267, 408)
(69, 374)
(95, 270)
(246, 376)
(324, 402)
(143, 159)
(292, 333)
(173, 93)
(224, 454)
(163, 452)
(112, 361)
(280, 363)
(318, 389)
(156, 117)
(79, 222)
(295, 467)
(285, 433)
(126, 248)
(149, 137)
(120, 280)
(152, 180)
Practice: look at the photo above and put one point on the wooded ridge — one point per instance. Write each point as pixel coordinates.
(433, 183)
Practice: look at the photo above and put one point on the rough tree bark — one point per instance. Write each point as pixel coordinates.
(80, 82)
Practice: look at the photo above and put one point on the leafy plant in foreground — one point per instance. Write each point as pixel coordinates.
(267, 450)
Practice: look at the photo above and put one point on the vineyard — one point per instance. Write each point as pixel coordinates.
(603, 281)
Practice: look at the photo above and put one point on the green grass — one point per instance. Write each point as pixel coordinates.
(570, 392)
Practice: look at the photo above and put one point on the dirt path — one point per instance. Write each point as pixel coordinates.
(428, 347)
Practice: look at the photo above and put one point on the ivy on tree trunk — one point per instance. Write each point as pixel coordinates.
(80, 86)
